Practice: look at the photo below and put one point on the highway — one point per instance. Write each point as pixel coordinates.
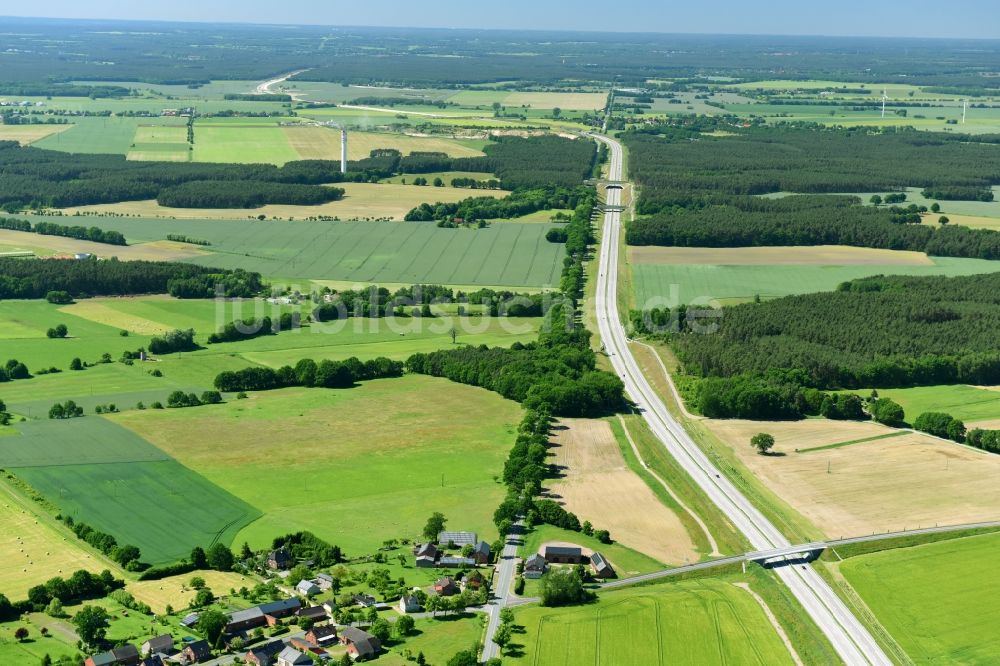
(849, 637)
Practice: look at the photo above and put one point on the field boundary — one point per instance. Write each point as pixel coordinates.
(855, 441)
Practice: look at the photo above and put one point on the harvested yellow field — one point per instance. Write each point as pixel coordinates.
(886, 484)
(599, 487)
(102, 311)
(177, 592)
(972, 221)
(818, 255)
(323, 143)
(564, 101)
(33, 552)
(361, 200)
(25, 134)
(156, 251)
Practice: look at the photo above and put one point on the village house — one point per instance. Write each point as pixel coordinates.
(562, 554)
(263, 615)
(360, 644)
(600, 566)
(481, 553)
(330, 606)
(426, 554)
(292, 657)
(314, 613)
(323, 635)
(126, 655)
(324, 581)
(409, 603)
(279, 559)
(264, 655)
(446, 587)
(364, 600)
(534, 566)
(474, 581)
(159, 645)
(307, 588)
(197, 652)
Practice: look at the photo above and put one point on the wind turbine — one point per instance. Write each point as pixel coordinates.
(884, 98)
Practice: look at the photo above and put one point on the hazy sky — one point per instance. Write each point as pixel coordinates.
(904, 18)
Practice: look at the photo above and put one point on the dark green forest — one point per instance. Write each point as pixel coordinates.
(34, 278)
(883, 332)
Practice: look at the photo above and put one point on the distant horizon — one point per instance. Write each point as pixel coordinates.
(902, 21)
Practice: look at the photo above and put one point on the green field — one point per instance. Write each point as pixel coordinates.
(102, 135)
(937, 600)
(263, 141)
(115, 481)
(913, 195)
(964, 402)
(510, 255)
(355, 466)
(693, 622)
(733, 284)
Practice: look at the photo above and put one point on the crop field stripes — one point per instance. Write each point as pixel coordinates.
(854, 441)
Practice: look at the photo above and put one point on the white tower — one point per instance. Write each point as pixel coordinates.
(343, 151)
(965, 104)
(884, 97)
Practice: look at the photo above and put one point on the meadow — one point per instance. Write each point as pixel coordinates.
(968, 403)
(113, 480)
(692, 622)
(320, 460)
(115, 134)
(735, 275)
(936, 599)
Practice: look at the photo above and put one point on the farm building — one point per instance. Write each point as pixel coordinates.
(562, 554)
(451, 562)
(314, 613)
(197, 652)
(364, 600)
(264, 655)
(425, 562)
(159, 645)
(292, 657)
(534, 566)
(307, 588)
(259, 616)
(409, 604)
(126, 655)
(279, 559)
(481, 553)
(322, 636)
(425, 550)
(458, 538)
(474, 581)
(190, 620)
(360, 644)
(601, 567)
(446, 586)
(324, 581)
